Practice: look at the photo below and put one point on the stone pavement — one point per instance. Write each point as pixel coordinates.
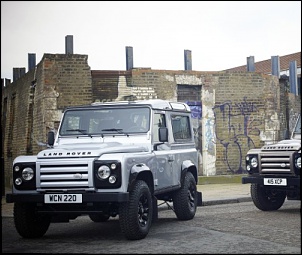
(224, 193)
(223, 189)
(215, 190)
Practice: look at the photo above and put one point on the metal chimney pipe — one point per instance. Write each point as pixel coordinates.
(275, 66)
(31, 61)
(18, 72)
(293, 80)
(69, 44)
(188, 60)
(129, 57)
(15, 74)
(5, 82)
(250, 64)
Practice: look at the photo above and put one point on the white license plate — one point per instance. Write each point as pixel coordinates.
(275, 181)
(62, 198)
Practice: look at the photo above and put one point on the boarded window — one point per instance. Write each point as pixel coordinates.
(188, 93)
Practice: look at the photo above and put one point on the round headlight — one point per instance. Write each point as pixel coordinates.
(104, 172)
(27, 173)
(298, 162)
(254, 162)
(113, 166)
(16, 168)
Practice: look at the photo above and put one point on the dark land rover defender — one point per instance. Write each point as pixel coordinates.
(274, 172)
(106, 160)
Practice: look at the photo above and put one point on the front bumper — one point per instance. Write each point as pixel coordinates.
(86, 197)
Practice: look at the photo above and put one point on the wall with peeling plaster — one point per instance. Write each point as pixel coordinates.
(240, 110)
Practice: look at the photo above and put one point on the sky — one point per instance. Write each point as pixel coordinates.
(219, 34)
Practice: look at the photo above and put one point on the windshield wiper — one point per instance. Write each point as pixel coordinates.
(119, 130)
(82, 131)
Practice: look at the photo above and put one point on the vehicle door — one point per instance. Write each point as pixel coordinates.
(163, 162)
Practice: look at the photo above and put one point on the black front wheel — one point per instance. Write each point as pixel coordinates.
(185, 199)
(135, 216)
(28, 222)
(266, 198)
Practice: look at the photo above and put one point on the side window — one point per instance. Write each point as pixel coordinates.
(181, 128)
(159, 121)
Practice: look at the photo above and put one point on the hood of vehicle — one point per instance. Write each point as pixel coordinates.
(290, 145)
(89, 150)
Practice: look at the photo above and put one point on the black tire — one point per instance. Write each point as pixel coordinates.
(28, 223)
(99, 217)
(266, 199)
(185, 199)
(136, 215)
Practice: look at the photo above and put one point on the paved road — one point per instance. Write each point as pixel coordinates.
(232, 228)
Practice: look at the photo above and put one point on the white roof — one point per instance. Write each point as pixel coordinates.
(154, 103)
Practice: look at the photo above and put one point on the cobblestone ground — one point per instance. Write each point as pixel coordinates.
(237, 228)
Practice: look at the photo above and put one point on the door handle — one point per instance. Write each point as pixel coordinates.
(171, 158)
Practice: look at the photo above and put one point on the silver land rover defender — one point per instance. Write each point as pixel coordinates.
(107, 160)
(274, 172)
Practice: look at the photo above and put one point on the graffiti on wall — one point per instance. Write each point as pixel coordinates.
(209, 136)
(195, 111)
(293, 117)
(234, 124)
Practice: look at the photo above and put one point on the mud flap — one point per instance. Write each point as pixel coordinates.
(199, 198)
(155, 209)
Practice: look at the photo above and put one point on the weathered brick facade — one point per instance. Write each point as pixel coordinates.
(239, 110)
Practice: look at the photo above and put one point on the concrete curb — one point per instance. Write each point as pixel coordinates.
(165, 206)
(227, 201)
(220, 179)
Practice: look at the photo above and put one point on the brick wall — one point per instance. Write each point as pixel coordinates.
(240, 110)
(237, 107)
(35, 101)
(16, 120)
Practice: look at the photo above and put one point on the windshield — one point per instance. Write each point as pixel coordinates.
(104, 121)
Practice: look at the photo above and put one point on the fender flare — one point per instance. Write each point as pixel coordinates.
(186, 166)
(142, 172)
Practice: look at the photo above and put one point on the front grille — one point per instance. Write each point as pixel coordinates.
(276, 163)
(63, 175)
